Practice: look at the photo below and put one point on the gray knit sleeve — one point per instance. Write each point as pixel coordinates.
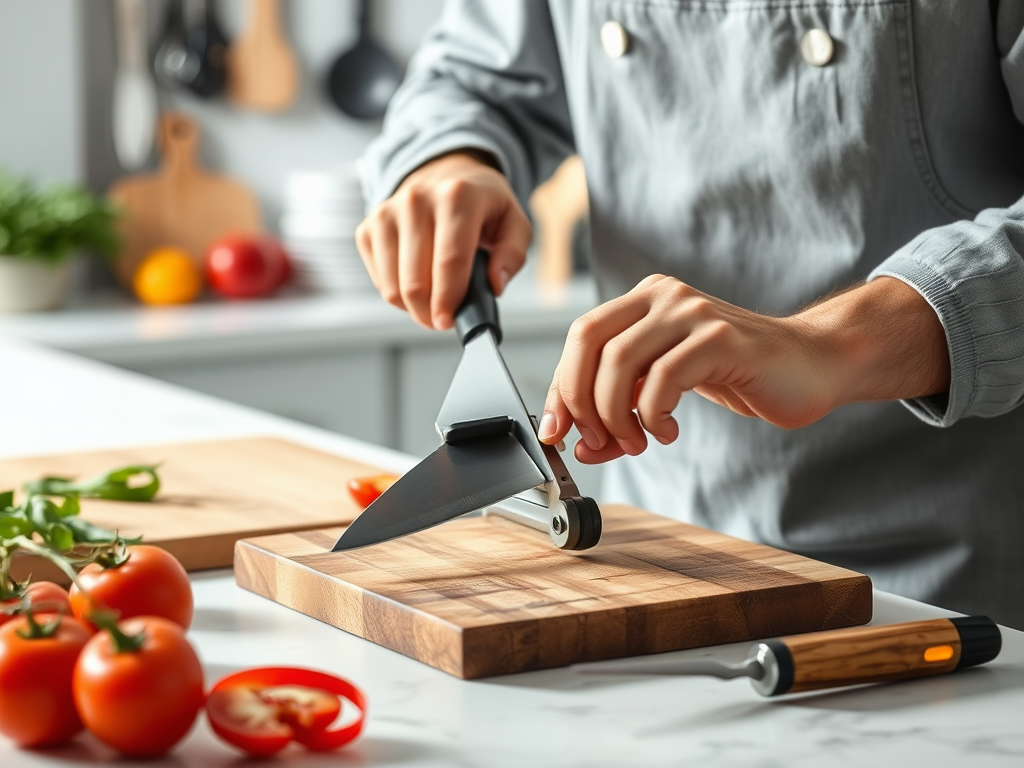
(487, 77)
(972, 274)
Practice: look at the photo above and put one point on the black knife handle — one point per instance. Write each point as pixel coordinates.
(479, 310)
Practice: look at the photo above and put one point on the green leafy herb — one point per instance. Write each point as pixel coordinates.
(52, 223)
(118, 485)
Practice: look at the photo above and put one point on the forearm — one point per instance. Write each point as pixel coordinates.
(880, 341)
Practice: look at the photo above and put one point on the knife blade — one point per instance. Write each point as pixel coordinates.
(455, 479)
(490, 450)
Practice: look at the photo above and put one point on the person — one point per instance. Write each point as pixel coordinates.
(804, 213)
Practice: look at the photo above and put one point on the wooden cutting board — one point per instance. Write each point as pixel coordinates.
(483, 596)
(212, 494)
(182, 204)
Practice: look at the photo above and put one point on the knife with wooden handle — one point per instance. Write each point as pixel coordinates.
(841, 657)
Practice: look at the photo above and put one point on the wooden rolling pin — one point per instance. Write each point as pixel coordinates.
(842, 657)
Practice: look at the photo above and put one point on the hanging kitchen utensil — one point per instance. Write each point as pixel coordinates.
(204, 71)
(262, 72)
(182, 204)
(490, 451)
(363, 79)
(135, 105)
(841, 657)
(170, 54)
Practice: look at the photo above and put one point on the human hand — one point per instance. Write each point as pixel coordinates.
(626, 364)
(418, 245)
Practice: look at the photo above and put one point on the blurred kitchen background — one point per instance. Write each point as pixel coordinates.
(77, 80)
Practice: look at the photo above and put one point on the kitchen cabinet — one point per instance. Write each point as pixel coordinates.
(350, 392)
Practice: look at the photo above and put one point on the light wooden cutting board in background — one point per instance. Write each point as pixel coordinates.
(212, 494)
(182, 204)
(483, 596)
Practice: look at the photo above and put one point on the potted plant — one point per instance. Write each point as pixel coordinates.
(40, 230)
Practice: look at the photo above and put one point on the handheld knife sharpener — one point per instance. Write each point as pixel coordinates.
(573, 521)
(483, 385)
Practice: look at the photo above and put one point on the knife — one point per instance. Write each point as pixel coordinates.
(841, 657)
(489, 453)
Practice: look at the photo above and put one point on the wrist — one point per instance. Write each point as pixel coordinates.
(879, 341)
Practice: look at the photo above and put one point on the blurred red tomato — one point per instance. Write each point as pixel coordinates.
(246, 266)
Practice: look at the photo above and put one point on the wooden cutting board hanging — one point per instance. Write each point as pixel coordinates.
(182, 204)
(262, 71)
(483, 596)
(211, 495)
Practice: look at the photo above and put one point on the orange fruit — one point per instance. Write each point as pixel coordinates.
(167, 276)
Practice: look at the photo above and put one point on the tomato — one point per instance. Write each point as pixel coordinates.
(150, 582)
(261, 710)
(36, 703)
(366, 490)
(246, 266)
(140, 700)
(44, 595)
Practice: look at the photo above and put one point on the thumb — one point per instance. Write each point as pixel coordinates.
(556, 419)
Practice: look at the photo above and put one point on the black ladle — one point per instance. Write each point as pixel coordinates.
(363, 79)
(203, 71)
(170, 55)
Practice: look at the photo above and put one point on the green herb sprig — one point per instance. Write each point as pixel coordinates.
(52, 223)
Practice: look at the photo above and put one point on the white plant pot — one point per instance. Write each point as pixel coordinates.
(27, 286)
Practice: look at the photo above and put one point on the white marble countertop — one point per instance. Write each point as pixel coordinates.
(419, 717)
(116, 329)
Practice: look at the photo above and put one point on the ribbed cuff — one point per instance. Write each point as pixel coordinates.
(941, 410)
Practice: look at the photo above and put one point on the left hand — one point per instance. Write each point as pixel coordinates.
(626, 364)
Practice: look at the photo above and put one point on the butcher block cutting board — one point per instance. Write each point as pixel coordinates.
(211, 494)
(483, 596)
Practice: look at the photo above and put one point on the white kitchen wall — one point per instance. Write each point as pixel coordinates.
(56, 72)
(40, 91)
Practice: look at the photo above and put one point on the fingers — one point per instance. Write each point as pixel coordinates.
(690, 364)
(377, 241)
(572, 388)
(507, 245)
(456, 235)
(415, 251)
(418, 245)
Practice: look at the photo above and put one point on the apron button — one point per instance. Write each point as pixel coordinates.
(614, 39)
(816, 47)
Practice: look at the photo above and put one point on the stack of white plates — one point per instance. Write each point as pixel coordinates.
(321, 212)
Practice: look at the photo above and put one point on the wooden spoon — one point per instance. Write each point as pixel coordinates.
(262, 71)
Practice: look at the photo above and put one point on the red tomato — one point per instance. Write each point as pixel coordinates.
(149, 583)
(36, 703)
(246, 266)
(261, 710)
(366, 490)
(140, 701)
(44, 595)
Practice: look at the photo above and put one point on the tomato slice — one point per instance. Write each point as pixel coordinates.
(261, 710)
(366, 490)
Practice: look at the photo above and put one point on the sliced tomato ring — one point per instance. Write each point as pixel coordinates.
(366, 490)
(261, 710)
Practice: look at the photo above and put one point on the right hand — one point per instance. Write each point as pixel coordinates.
(418, 245)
